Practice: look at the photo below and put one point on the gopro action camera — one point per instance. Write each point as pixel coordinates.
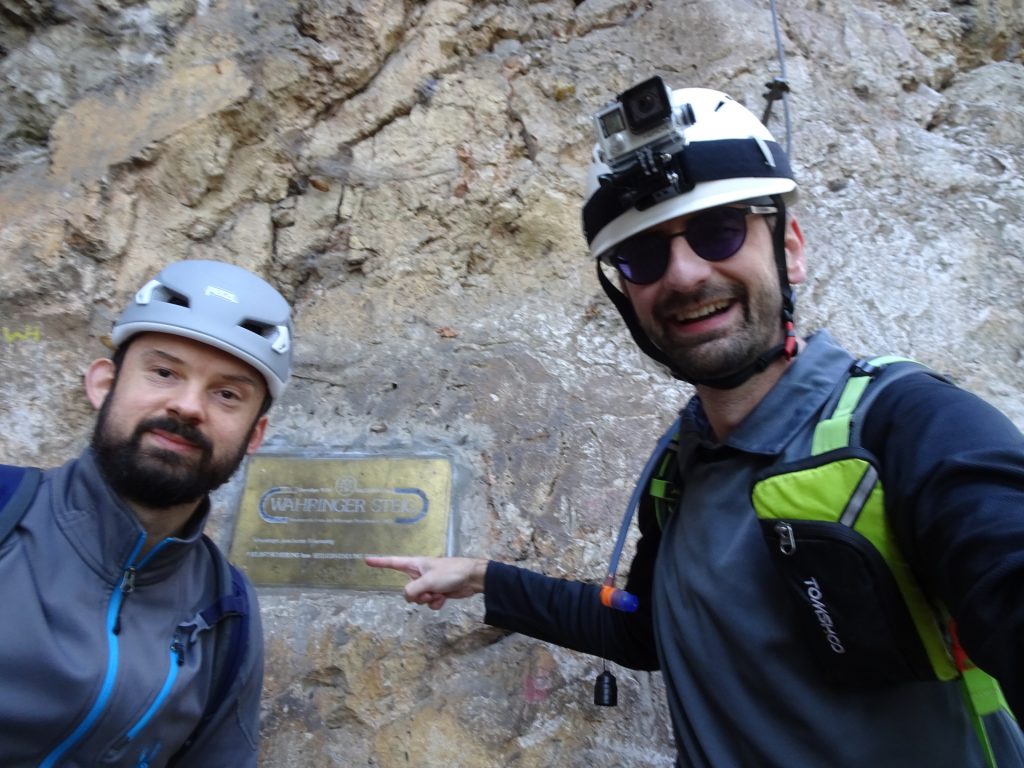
(640, 118)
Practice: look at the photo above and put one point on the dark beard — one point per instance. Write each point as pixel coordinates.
(707, 362)
(156, 478)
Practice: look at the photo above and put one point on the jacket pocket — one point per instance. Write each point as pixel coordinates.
(857, 605)
(847, 605)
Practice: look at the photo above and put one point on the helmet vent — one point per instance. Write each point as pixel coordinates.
(164, 294)
(177, 300)
(260, 329)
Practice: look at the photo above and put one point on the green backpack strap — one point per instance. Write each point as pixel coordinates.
(981, 691)
(836, 431)
(664, 485)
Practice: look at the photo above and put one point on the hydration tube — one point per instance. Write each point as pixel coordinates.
(612, 597)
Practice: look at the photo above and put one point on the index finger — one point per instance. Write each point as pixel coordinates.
(406, 565)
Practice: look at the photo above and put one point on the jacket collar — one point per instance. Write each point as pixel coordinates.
(794, 401)
(104, 531)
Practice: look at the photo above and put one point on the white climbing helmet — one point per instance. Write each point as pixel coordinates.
(664, 154)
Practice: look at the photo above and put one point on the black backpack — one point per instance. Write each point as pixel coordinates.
(877, 619)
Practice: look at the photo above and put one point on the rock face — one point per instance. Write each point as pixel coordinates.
(410, 174)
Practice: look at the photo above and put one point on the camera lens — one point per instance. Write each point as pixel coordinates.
(646, 105)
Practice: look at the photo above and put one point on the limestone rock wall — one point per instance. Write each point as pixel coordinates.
(410, 174)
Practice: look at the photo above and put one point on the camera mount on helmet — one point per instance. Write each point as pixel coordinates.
(640, 136)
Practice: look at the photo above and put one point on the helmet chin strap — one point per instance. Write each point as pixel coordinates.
(788, 348)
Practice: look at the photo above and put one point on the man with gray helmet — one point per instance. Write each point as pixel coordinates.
(763, 510)
(131, 641)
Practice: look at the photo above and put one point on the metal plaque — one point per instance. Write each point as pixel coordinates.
(310, 521)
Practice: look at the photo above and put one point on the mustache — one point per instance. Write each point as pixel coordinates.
(172, 426)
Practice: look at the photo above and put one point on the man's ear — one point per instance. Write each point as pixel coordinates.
(256, 436)
(99, 380)
(796, 264)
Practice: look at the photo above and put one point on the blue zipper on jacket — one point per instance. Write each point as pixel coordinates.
(174, 662)
(113, 652)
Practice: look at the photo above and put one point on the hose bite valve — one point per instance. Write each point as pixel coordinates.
(606, 690)
(619, 599)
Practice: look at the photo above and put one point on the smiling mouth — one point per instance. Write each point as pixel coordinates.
(170, 441)
(700, 313)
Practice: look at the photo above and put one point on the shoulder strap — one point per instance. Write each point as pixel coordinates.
(229, 617)
(981, 692)
(841, 428)
(664, 487)
(233, 604)
(662, 476)
(18, 487)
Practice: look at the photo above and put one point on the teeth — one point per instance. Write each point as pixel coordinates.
(697, 314)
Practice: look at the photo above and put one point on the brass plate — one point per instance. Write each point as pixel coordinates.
(310, 521)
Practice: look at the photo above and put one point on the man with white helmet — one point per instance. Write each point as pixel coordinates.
(131, 640)
(793, 608)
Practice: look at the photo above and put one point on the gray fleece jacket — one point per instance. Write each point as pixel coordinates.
(98, 662)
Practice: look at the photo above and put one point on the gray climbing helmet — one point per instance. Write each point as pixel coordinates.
(218, 304)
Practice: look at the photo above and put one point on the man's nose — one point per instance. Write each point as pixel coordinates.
(686, 270)
(188, 402)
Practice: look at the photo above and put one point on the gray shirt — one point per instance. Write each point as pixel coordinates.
(743, 691)
(714, 615)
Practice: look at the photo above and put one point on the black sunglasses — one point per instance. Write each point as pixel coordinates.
(714, 235)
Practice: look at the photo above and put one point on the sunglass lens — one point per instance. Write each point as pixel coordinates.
(642, 259)
(717, 234)
(714, 235)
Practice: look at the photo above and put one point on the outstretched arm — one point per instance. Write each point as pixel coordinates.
(567, 613)
(433, 580)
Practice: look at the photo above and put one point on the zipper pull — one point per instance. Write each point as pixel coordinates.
(128, 582)
(787, 541)
(127, 587)
(179, 650)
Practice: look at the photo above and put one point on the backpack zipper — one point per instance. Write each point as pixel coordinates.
(787, 540)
